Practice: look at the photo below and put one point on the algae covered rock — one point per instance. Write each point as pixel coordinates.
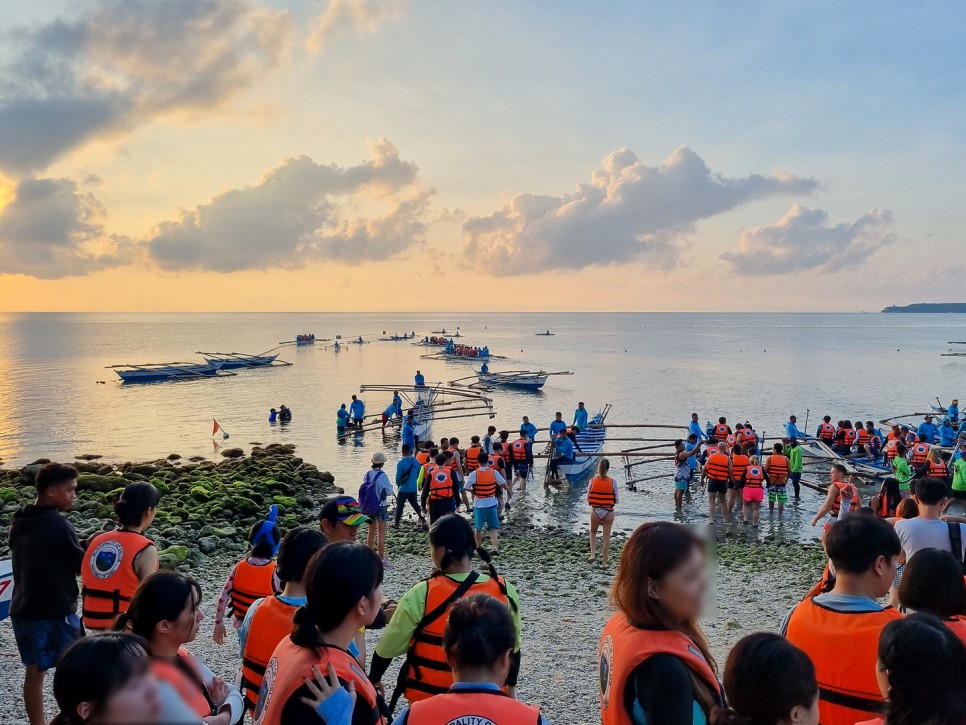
(172, 556)
(8, 495)
(207, 544)
(101, 484)
(200, 493)
(286, 501)
(233, 453)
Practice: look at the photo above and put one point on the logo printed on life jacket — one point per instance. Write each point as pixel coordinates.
(606, 667)
(265, 691)
(471, 720)
(106, 559)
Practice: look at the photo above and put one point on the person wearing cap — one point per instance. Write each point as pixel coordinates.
(953, 410)
(376, 539)
(928, 429)
(340, 519)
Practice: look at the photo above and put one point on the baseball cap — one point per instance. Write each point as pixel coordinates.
(345, 509)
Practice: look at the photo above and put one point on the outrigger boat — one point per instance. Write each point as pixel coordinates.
(461, 357)
(156, 372)
(434, 402)
(305, 339)
(397, 338)
(544, 334)
(519, 379)
(589, 441)
(237, 360)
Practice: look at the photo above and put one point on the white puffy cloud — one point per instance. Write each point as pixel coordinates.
(803, 239)
(627, 210)
(51, 229)
(361, 17)
(122, 63)
(302, 211)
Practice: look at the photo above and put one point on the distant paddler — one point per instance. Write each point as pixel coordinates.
(357, 409)
(360, 340)
(484, 369)
(420, 380)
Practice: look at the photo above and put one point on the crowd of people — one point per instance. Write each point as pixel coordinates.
(301, 602)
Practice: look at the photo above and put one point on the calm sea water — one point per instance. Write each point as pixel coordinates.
(653, 368)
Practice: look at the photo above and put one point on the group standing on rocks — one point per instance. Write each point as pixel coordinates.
(302, 597)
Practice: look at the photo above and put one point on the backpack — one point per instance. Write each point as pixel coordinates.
(369, 499)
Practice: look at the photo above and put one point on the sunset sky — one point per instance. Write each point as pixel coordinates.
(498, 155)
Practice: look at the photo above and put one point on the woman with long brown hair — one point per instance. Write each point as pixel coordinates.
(655, 664)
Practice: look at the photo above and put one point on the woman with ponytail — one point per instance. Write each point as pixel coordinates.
(655, 664)
(343, 588)
(769, 681)
(478, 642)
(417, 626)
(117, 561)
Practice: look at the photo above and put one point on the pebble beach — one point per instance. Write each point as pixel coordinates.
(208, 506)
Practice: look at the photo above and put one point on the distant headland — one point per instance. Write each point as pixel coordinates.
(921, 307)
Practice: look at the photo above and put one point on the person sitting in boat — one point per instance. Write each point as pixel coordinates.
(561, 455)
(928, 429)
(947, 434)
(284, 414)
(360, 340)
(420, 380)
(580, 417)
(484, 369)
(450, 348)
(272, 415)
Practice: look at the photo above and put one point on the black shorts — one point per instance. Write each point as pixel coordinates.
(717, 486)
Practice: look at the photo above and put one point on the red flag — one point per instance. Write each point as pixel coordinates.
(216, 428)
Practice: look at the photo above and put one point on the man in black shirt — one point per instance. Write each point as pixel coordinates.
(46, 561)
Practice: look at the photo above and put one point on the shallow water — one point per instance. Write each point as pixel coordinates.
(653, 368)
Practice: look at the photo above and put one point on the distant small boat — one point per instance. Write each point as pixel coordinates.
(305, 339)
(396, 338)
(544, 334)
(237, 360)
(156, 372)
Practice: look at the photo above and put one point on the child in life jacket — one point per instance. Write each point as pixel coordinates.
(252, 578)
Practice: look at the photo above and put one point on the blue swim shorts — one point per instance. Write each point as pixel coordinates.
(487, 516)
(41, 642)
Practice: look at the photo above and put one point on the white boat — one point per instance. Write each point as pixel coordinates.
(590, 440)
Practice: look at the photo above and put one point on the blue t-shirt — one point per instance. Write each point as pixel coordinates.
(792, 431)
(358, 409)
(342, 415)
(692, 460)
(408, 435)
(556, 427)
(407, 473)
(580, 418)
(930, 430)
(531, 430)
(420, 380)
(564, 446)
(694, 428)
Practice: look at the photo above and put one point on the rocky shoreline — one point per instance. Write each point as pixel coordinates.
(564, 600)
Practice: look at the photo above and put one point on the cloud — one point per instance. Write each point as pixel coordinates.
(122, 63)
(301, 211)
(626, 210)
(361, 17)
(803, 239)
(51, 230)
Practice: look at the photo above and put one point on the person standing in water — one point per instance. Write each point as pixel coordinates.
(683, 457)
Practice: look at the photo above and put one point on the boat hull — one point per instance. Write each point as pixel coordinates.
(154, 375)
(256, 361)
(528, 383)
(590, 440)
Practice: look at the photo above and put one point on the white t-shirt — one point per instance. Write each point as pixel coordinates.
(918, 534)
(489, 501)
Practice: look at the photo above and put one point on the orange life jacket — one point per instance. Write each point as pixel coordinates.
(251, 582)
(837, 503)
(518, 451)
(738, 466)
(843, 647)
(473, 706)
(495, 461)
(722, 431)
(920, 453)
(422, 457)
(890, 449)
(862, 436)
(472, 457)
(454, 459)
(184, 676)
(108, 579)
(826, 432)
(749, 436)
(884, 511)
(427, 672)
(958, 625)
(754, 476)
(440, 483)
(717, 467)
(485, 486)
(848, 436)
(911, 438)
(938, 469)
(271, 623)
(600, 493)
(623, 647)
(732, 441)
(777, 468)
(291, 664)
